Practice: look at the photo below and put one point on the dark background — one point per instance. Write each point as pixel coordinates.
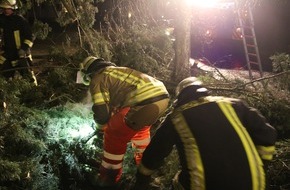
(272, 28)
(272, 20)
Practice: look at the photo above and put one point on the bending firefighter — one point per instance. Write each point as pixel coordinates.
(126, 103)
(17, 39)
(221, 142)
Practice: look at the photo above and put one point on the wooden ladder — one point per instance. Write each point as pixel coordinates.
(246, 23)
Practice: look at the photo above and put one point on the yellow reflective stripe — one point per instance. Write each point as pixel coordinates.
(113, 156)
(128, 78)
(266, 152)
(145, 171)
(255, 162)
(100, 98)
(111, 166)
(192, 154)
(2, 59)
(17, 39)
(144, 90)
(151, 92)
(149, 88)
(192, 104)
(28, 42)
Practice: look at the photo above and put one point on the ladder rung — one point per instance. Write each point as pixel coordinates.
(254, 63)
(251, 45)
(248, 36)
(252, 54)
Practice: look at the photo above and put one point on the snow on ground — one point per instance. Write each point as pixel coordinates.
(229, 74)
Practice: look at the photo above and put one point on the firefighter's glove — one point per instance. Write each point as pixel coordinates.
(100, 133)
(100, 136)
(142, 181)
(21, 53)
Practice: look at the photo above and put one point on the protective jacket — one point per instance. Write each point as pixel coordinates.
(17, 35)
(221, 143)
(118, 87)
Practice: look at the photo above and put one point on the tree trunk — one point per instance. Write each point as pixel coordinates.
(182, 41)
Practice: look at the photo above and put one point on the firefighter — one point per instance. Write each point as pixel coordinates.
(221, 142)
(126, 103)
(17, 40)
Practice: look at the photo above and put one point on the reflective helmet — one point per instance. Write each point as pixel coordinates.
(8, 4)
(190, 82)
(91, 65)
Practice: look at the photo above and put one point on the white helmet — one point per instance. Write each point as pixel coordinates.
(8, 4)
(190, 81)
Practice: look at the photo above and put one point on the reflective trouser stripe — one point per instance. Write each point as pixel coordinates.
(141, 140)
(116, 137)
(255, 162)
(111, 166)
(113, 156)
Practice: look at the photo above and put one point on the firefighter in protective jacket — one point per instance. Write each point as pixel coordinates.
(17, 39)
(221, 142)
(126, 103)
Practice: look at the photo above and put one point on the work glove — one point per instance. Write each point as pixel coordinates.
(21, 53)
(100, 130)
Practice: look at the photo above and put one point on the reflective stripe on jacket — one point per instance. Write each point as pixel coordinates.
(219, 142)
(119, 87)
(17, 35)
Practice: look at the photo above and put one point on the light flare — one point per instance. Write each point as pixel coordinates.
(202, 3)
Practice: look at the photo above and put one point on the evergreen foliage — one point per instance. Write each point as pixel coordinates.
(47, 138)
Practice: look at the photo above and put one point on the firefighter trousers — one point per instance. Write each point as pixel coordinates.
(116, 137)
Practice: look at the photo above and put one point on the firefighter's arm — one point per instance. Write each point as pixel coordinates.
(101, 114)
(158, 149)
(100, 106)
(28, 39)
(262, 133)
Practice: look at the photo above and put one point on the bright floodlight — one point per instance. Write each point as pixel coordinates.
(203, 3)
